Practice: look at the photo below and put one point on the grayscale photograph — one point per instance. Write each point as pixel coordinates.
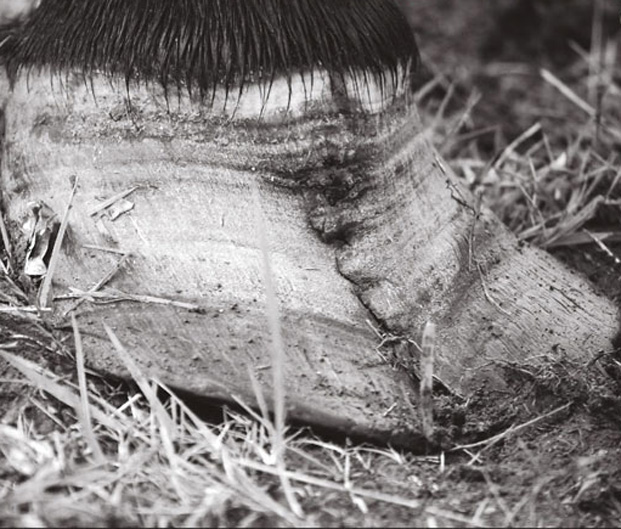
(310, 263)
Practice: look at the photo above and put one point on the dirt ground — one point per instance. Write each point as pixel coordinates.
(563, 467)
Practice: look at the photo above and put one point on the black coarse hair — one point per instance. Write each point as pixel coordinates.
(202, 45)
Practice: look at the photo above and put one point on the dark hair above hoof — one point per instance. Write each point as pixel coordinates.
(204, 45)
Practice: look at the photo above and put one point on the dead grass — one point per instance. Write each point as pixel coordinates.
(557, 183)
(152, 461)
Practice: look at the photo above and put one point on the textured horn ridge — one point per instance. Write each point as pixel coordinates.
(204, 45)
